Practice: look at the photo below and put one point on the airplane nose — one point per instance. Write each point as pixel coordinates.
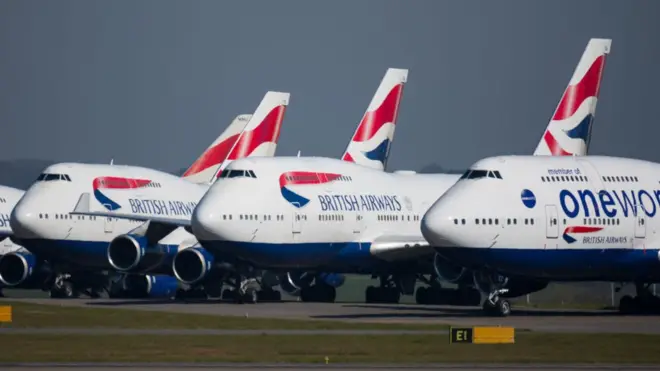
(23, 222)
(206, 220)
(438, 226)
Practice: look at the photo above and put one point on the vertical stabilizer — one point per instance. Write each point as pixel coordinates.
(370, 144)
(203, 169)
(259, 137)
(569, 130)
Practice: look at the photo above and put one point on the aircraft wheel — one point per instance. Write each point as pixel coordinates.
(68, 290)
(392, 295)
(329, 294)
(421, 295)
(503, 307)
(627, 305)
(369, 295)
(250, 296)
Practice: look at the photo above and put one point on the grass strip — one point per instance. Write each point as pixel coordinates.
(29, 315)
(529, 348)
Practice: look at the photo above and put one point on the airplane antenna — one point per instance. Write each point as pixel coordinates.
(112, 161)
(298, 153)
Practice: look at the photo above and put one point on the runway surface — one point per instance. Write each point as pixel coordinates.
(567, 321)
(114, 331)
(343, 367)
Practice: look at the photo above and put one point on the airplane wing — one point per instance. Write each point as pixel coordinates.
(85, 207)
(394, 247)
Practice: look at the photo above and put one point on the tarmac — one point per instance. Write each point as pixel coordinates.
(343, 367)
(564, 321)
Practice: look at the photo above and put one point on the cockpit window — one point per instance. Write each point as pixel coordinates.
(49, 177)
(476, 174)
(234, 173)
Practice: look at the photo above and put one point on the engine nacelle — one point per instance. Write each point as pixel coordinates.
(154, 286)
(130, 253)
(17, 267)
(332, 279)
(192, 265)
(293, 282)
(448, 271)
(517, 286)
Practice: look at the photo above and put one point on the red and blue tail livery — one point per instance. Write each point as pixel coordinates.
(206, 166)
(371, 141)
(111, 182)
(569, 130)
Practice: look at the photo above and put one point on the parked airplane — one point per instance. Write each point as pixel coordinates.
(76, 245)
(331, 216)
(520, 222)
(369, 147)
(8, 198)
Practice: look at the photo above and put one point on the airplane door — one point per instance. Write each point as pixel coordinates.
(297, 217)
(640, 226)
(359, 224)
(109, 225)
(551, 225)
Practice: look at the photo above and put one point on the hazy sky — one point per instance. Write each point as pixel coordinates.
(153, 82)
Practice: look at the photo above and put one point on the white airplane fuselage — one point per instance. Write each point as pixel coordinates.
(9, 197)
(315, 213)
(556, 218)
(43, 223)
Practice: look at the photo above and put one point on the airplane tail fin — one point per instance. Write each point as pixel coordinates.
(569, 130)
(260, 135)
(204, 168)
(370, 144)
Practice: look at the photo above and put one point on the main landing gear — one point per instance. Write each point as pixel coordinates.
(435, 294)
(247, 289)
(643, 303)
(387, 293)
(392, 286)
(66, 286)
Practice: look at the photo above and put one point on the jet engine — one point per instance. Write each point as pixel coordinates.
(154, 286)
(293, 282)
(192, 265)
(16, 267)
(130, 253)
(448, 271)
(516, 286)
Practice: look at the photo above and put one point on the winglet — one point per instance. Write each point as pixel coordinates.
(370, 144)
